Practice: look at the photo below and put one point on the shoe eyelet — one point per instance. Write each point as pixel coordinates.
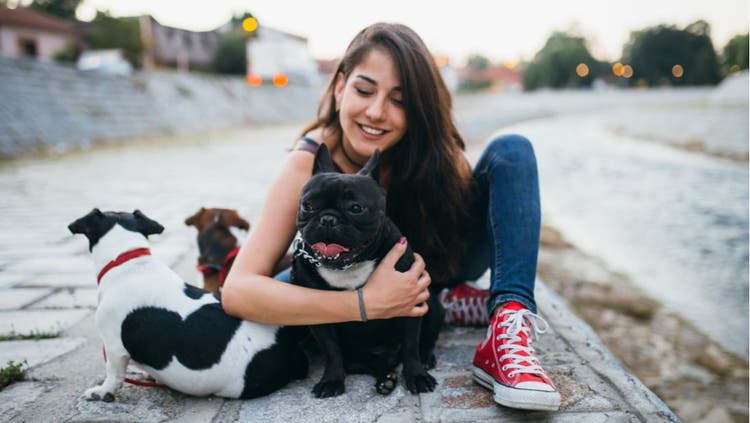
(504, 368)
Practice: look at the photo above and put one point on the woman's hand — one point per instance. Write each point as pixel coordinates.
(389, 293)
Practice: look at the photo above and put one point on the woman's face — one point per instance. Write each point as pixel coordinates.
(371, 111)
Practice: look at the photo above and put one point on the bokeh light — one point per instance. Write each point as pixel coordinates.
(280, 80)
(618, 69)
(627, 71)
(441, 61)
(254, 80)
(677, 71)
(582, 70)
(734, 68)
(250, 24)
(510, 64)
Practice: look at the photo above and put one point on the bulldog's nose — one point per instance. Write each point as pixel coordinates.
(328, 220)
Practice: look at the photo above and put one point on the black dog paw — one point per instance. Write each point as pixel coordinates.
(429, 362)
(108, 397)
(419, 383)
(328, 388)
(386, 384)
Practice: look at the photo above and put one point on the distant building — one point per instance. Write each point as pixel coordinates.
(165, 46)
(507, 77)
(273, 52)
(26, 32)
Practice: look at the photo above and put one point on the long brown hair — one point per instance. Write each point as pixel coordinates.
(429, 189)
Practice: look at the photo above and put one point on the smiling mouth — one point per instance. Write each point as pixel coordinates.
(371, 131)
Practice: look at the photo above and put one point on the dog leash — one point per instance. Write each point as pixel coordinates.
(137, 382)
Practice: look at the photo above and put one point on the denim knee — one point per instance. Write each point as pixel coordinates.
(511, 148)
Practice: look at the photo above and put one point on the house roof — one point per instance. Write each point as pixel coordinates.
(30, 18)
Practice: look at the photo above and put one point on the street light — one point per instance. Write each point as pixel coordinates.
(582, 70)
(250, 24)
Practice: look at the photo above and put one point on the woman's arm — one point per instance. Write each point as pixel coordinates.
(251, 294)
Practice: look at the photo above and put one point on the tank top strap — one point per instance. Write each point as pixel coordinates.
(311, 146)
(307, 144)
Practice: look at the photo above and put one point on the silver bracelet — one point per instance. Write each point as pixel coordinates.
(361, 305)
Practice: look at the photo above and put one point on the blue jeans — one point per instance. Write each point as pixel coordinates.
(508, 213)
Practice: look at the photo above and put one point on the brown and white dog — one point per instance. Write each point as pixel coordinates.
(217, 245)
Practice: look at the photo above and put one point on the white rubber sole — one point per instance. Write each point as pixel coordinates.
(522, 399)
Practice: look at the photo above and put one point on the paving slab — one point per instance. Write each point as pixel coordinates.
(10, 279)
(61, 265)
(39, 321)
(37, 351)
(68, 298)
(12, 299)
(81, 278)
(19, 396)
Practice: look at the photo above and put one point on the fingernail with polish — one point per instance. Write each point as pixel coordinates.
(402, 240)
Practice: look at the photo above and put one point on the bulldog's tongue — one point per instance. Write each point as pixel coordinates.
(328, 250)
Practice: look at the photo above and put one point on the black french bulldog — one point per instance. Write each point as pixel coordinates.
(345, 233)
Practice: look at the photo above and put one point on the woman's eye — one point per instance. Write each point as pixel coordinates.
(306, 206)
(362, 92)
(355, 208)
(397, 101)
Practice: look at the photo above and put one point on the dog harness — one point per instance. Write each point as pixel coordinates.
(208, 269)
(122, 258)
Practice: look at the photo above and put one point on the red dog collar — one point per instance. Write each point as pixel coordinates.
(228, 260)
(122, 258)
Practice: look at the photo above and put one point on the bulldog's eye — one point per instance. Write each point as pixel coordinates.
(307, 207)
(355, 208)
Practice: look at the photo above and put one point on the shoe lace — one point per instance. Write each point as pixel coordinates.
(471, 309)
(523, 357)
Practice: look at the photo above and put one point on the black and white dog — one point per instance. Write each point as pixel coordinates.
(177, 333)
(344, 234)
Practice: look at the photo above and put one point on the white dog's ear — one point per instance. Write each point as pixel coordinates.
(371, 167)
(145, 225)
(323, 162)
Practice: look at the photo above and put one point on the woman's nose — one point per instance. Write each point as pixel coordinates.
(376, 111)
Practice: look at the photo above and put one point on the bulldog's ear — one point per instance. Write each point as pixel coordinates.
(323, 162)
(195, 219)
(232, 218)
(145, 225)
(371, 167)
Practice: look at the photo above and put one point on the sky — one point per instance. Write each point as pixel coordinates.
(499, 30)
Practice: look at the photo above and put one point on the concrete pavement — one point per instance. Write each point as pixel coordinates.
(47, 286)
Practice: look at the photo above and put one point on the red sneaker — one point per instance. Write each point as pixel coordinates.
(506, 363)
(465, 305)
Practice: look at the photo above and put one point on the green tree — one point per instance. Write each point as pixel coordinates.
(65, 9)
(107, 32)
(555, 64)
(231, 54)
(478, 62)
(736, 53)
(654, 51)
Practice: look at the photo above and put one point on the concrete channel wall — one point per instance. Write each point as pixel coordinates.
(49, 106)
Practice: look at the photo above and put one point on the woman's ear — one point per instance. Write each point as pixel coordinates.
(338, 89)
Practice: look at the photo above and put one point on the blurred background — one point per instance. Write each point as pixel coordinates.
(638, 112)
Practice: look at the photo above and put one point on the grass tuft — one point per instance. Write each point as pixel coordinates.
(12, 372)
(33, 335)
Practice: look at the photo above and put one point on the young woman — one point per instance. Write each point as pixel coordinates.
(387, 94)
